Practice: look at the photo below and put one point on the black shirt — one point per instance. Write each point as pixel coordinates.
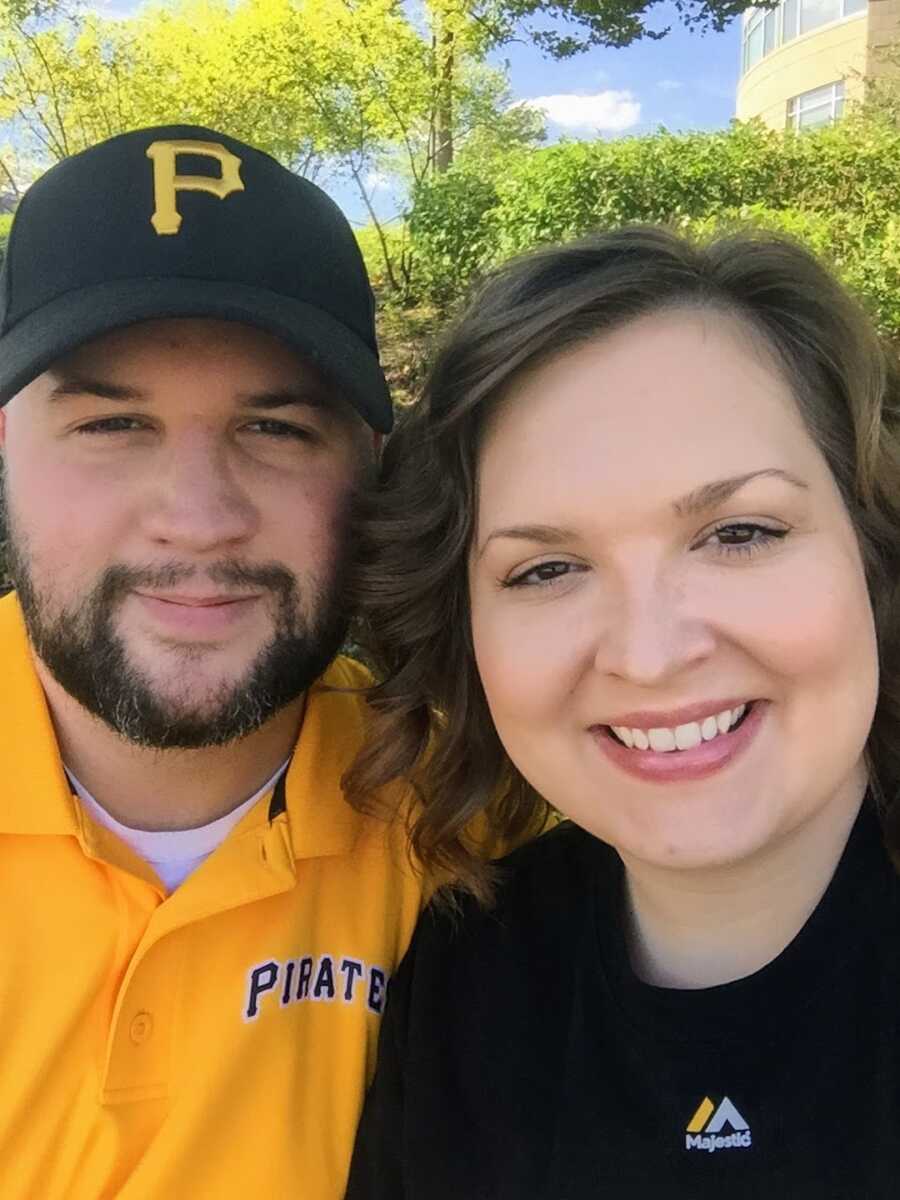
(522, 1059)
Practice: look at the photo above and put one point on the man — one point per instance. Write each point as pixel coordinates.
(199, 930)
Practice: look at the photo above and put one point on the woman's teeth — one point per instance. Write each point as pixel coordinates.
(682, 737)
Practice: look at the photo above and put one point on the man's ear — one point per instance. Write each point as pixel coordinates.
(2, 429)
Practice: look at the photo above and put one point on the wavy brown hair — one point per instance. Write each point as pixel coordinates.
(431, 721)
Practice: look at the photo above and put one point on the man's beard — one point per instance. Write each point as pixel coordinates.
(86, 656)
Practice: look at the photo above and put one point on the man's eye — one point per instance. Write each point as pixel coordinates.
(111, 425)
(281, 429)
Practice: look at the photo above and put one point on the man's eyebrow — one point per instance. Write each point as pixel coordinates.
(267, 401)
(73, 385)
(708, 495)
(282, 398)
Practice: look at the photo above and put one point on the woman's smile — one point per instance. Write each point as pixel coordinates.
(688, 751)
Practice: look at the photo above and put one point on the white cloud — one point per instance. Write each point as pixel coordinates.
(669, 85)
(112, 10)
(375, 180)
(608, 111)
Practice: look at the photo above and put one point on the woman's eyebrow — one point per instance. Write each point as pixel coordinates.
(691, 504)
(708, 495)
(544, 535)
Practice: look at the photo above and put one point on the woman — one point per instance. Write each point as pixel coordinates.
(637, 558)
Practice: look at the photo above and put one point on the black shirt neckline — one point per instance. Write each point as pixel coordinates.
(793, 979)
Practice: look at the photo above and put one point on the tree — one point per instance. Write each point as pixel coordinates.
(881, 94)
(561, 29)
(323, 85)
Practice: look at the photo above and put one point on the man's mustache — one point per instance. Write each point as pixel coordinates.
(117, 581)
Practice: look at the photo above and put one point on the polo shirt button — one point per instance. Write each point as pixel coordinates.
(141, 1028)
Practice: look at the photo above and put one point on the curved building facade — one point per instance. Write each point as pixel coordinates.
(803, 60)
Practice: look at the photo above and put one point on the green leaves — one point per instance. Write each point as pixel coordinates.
(5, 222)
(566, 27)
(835, 189)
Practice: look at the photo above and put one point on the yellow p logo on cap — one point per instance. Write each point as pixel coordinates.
(167, 183)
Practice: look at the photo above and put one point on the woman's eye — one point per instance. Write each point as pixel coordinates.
(746, 537)
(543, 573)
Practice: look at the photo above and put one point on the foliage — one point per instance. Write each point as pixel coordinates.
(562, 28)
(834, 189)
(406, 338)
(396, 235)
(882, 84)
(451, 231)
(231, 66)
(5, 223)
(866, 257)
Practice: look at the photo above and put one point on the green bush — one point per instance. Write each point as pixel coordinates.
(396, 239)
(864, 254)
(5, 224)
(836, 189)
(450, 232)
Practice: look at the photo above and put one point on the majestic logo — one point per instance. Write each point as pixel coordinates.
(167, 183)
(706, 1126)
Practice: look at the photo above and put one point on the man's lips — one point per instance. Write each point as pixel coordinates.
(195, 601)
(196, 618)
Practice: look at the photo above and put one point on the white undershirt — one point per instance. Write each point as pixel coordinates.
(173, 853)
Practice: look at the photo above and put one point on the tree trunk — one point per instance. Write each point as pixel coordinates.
(445, 65)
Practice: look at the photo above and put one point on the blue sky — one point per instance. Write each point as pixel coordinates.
(683, 81)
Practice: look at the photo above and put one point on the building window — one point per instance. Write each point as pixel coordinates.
(754, 40)
(814, 13)
(791, 14)
(821, 106)
(770, 40)
(767, 29)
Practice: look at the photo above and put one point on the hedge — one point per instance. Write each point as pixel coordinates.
(837, 189)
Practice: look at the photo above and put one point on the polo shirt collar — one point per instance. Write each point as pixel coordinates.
(36, 793)
(321, 821)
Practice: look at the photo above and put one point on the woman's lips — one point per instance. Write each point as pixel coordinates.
(657, 766)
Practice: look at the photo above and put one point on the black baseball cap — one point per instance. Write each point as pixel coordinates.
(181, 221)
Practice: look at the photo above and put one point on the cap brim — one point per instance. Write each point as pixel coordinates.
(39, 339)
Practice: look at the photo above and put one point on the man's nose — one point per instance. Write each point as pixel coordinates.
(197, 503)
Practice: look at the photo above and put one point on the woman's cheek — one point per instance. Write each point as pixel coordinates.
(529, 656)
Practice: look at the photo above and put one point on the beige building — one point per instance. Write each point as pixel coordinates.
(803, 60)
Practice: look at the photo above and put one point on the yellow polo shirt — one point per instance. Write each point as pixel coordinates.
(213, 1043)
